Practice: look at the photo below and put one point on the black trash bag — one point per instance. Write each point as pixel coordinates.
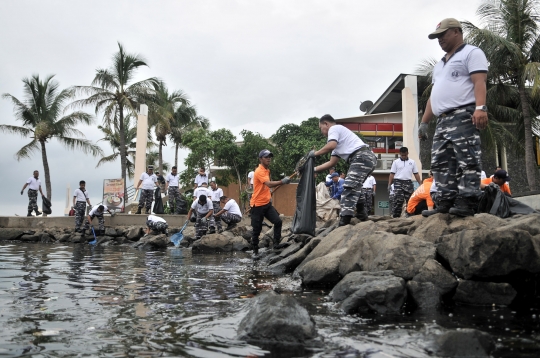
(158, 202)
(182, 207)
(495, 202)
(46, 206)
(305, 216)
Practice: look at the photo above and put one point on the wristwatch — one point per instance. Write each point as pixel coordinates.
(481, 108)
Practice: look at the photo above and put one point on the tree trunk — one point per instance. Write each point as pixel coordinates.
(46, 171)
(530, 162)
(160, 157)
(176, 155)
(123, 156)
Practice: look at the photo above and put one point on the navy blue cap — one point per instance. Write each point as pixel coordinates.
(265, 153)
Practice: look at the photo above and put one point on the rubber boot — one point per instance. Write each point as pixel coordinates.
(255, 245)
(463, 207)
(211, 230)
(345, 220)
(443, 207)
(138, 211)
(361, 213)
(38, 213)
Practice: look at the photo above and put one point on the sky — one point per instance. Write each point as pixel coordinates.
(245, 64)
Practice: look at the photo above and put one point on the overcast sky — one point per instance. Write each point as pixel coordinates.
(245, 64)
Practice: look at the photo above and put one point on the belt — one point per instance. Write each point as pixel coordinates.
(445, 114)
(365, 148)
(32, 189)
(173, 186)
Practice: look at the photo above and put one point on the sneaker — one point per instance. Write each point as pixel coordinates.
(344, 220)
(231, 226)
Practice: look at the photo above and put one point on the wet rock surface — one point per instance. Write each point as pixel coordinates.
(484, 293)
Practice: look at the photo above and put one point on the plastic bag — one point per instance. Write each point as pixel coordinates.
(158, 202)
(305, 216)
(46, 205)
(495, 202)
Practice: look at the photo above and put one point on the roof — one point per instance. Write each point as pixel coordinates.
(390, 101)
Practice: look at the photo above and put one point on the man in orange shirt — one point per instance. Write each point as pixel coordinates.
(261, 207)
(500, 178)
(421, 198)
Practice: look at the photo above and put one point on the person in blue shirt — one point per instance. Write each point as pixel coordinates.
(336, 186)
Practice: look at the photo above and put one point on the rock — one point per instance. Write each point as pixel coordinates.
(119, 240)
(291, 262)
(109, 231)
(64, 238)
(77, 238)
(239, 244)
(219, 243)
(276, 318)
(134, 233)
(491, 252)
(291, 249)
(30, 237)
(152, 242)
(425, 294)
(380, 292)
(10, 234)
(432, 271)
(484, 293)
(322, 271)
(238, 231)
(46, 238)
(466, 342)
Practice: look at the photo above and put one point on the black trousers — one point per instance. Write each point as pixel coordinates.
(258, 213)
(419, 208)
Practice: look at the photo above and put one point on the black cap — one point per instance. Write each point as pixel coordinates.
(502, 174)
(266, 153)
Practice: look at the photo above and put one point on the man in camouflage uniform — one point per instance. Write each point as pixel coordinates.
(80, 199)
(344, 144)
(149, 182)
(368, 191)
(34, 185)
(203, 210)
(176, 204)
(458, 99)
(156, 224)
(215, 195)
(97, 212)
(401, 173)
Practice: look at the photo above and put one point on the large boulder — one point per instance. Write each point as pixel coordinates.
(10, 234)
(425, 294)
(134, 233)
(276, 318)
(361, 291)
(433, 272)
(465, 342)
(219, 243)
(484, 293)
(292, 261)
(153, 242)
(322, 271)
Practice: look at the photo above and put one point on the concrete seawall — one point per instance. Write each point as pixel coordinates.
(69, 221)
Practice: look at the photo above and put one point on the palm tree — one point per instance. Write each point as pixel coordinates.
(511, 42)
(112, 92)
(163, 106)
(152, 157)
(41, 114)
(185, 119)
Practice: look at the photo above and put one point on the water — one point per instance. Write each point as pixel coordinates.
(82, 301)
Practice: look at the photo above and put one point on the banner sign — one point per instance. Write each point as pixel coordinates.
(384, 205)
(113, 194)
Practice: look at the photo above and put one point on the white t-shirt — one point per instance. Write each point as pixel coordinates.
(452, 85)
(403, 169)
(232, 207)
(33, 183)
(155, 219)
(250, 176)
(215, 194)
(202, 209)
(199, 179)
(370, 181)
(148, 181)
(95, 209)
(173, 179)
(433, 188)
(347, 141)
(202, 191)
(80, 195)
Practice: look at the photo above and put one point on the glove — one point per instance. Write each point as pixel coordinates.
(373, 193)
(113, 214)
(422, 131)
(22, 191)
(286, 180)
(311, 154)
(89, 207)
(203, 221)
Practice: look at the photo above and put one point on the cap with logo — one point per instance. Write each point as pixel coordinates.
(444, 25)
(265, 153)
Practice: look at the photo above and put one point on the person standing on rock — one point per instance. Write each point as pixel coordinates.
(458, 100)
(230, 214)
(369, 189)
(215, 195)
(203, 210)
(401, 173)
(156, 224)
(200, 178)
(34, 185)
(98, 212)
(261, 205)
(344, 144)
(176, 204)
(149, 182)
(80, 199)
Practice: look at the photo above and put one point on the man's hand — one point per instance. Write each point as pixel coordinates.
(480, 119)
(203, 221)
(422, 131)
(311, 154)
(22, 191)
(286, 180)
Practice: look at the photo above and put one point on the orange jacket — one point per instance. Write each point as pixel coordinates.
(504, 188)
(422, 193)
(261, 193)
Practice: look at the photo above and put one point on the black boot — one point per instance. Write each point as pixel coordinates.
(211, 230)
(147, 212)
(361, 213)
(345, 220)
(38, 213)
(138, 211)
(255, 245)
(29, 214)
(463, 207)
(443, 207)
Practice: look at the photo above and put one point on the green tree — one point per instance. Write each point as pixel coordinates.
(41, 115)
(152, 158)
(112, 91)
(511, 42)
(185, 119)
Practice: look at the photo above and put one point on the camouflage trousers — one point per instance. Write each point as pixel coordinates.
(158, 226)
(175, 201)
(101, 221)
(391, 203)
(455, 156)
(368, 199)
(32, 201)
(403, 190)
(361, 164)
(146, 199)
(229, 218)
(217, 209)
(200, 228)
(80, 213)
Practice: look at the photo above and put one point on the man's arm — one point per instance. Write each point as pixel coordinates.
(24, 187)
(40, 191)
(418, 178)
(390, 179)
(480, 118)
(272, 184)
(428, 113)
(89, 219)
(374, 188)
(210, 212)
(328, 147)
(329, 164)
(74, 200)
(139, 184)
(221, 212)
(189, 213)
